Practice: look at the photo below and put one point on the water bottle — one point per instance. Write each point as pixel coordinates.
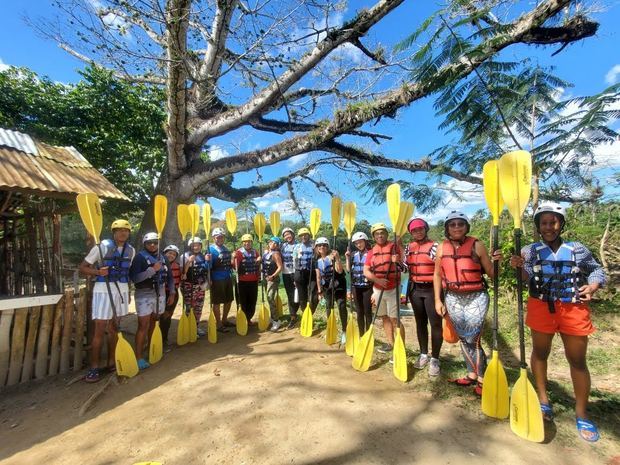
(296, 296)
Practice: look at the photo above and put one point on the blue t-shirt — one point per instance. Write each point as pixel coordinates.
(220, 263)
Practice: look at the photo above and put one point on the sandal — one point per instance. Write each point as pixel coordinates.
(478, 389)
(92, 376)
(547, 411)
(222, 329)
(464, 381)
(587, 430)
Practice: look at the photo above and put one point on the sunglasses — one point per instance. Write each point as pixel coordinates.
(151, 242)
(457, 224)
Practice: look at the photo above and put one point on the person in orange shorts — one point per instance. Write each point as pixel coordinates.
(562, 278)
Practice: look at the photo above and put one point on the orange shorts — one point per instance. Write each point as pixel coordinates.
(569, 318)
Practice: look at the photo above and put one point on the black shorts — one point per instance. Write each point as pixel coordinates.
(222, 291)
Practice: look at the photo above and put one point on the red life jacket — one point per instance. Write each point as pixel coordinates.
(381, 263)
(175, 268)
(459, 271)
(421, 265)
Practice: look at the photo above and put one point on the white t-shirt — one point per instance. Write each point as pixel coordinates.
(94, 258)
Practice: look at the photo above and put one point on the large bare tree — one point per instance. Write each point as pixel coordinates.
(287, 67)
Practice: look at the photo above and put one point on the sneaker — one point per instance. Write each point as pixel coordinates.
(143, 364)
(343, 339)
(275, 326)
(201, 332)
(385, 348)
(433, 368)
(421, 362)
(292, 323)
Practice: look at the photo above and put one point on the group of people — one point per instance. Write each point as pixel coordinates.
(446, 279)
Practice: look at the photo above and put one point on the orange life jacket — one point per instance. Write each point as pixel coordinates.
(421, 265)
(175, 268)
(381, 263)
(459, 271)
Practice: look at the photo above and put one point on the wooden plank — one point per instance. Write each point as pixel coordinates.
(65, 342)
(6, 318)
(47, 318)
(33, 329)
(80, 327)
(56, 331)
(18, 340)
(29, 301)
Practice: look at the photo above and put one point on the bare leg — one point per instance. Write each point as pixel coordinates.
(575, 348)
(112, 339)
(97, 342)
(143, 328)
(388, 328)
(541, 347)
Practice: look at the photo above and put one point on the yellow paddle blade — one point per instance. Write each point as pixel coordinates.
(404, 213)
(279, 307)
(495, 396)
(356, 335)
(206, 218)
(274, 223)
(315, 221)
(231, 221)
(515, 180)
(184, 220)
(259, 226)
(212, 329)
(263, 317)
(400, 358)
(526, 419)
(192, 327)
(490, 181)
(350, 210)
(126, 363)
(307, 323)
(349, 345)
(336, 214)
(160, 209)
(90, 213)
(242, 323)
(331, 337)
(392, 197)
(194, 215)
(363, 352)
(156, 345)
(183, 330)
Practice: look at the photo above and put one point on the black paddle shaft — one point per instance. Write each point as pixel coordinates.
(517, 235)
(494, 246)
(397, 284)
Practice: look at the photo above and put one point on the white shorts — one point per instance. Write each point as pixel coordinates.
(146, 302)
(102, 310)
(389, 305)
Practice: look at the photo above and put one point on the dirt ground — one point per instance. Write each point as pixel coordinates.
(261, 399)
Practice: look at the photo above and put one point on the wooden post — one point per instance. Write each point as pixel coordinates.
(65, 343)
(17, 346)
(46, 263)
(80, 327)
(47, 318)
(31, 255)
(6, 318)
(57, 252)
(56, 331)
(33, 329)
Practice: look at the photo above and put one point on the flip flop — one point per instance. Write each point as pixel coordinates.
(587, 430)
(547, 411)
(464, 381)
(92, 376)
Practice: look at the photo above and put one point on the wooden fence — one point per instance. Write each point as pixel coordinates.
(39, 338)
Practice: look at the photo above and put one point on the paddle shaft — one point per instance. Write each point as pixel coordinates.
(494, 246)
(517, 236)
(349, 265)
(331, 306)
(397, 286)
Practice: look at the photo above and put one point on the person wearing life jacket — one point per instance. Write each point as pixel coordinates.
(109, 263)
(195, 280)
(288, 273)
(171, 252)
(150, 275)
(305, 278)
(272, 267)
(382, 268)
(221, 279)
(460, 263)
(562, 276)
(420, 259)
(247, 265)
(331, 281)
(361, 287)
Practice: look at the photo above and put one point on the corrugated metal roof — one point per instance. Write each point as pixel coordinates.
(28, 165)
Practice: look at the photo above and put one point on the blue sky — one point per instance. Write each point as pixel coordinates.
(590, 65)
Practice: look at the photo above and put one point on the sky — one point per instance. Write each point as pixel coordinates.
(591, 65)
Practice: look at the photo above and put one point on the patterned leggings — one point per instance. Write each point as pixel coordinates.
(194, 298)
(467, 311)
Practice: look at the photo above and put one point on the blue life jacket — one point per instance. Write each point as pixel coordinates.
(287, 256)
(556, 276)
(197, 272)
(326, 269)
(159, 277)
(118, 263)
(222, 265)
(357, 269)
(304, 256)
(269, 264)
(248, 265)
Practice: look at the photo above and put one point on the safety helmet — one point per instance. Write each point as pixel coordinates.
(150, 236)
(321, 241)
(172, 248)
(455, 215)
(218, 232)
(275, 239)
(120, 224)
(285, 230)
(194, 240)
(549, 207)
(376, 227)
(303, 231)
(415, 223)
(358, 236)
(247, 237)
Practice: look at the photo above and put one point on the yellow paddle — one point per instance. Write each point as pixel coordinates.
(90, 213)
(274, 223)
(241, 320)
(194, 214)
(160, 206)
(307, 322)
(279, 306)
(495, 395)
(515, 177)
(264, 315)
(332, 328)
(352, 331)
(184, 222)
(206, 222)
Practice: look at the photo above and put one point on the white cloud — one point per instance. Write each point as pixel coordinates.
(607, 155)
(612, 75)
(216, 152)
(285, 207)
(3, 65)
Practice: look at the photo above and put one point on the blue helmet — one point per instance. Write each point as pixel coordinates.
(275, 239)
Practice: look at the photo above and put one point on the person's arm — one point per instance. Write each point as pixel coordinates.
(347, 262)
(277, 257)
(337, 263)
(594, 271)
(370, 276)
(89, 264)
(140, 270)
(485, 260)
(437, 287)
(317, 271)
(525, 261)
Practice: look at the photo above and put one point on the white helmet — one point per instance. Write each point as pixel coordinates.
(321, 241)
(172, 247)
(194, 240)
(358, 236)
(456, 215)
(218, 232)
(285, 230)
(150, 236)
(550, 207)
